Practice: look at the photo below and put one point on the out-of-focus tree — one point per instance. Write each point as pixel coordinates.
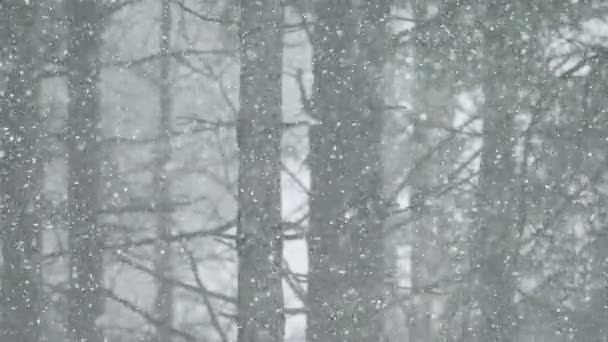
(346, 290)
(20, 168)
(85, 21)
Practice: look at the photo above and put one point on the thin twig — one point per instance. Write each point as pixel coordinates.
(204, 293)
(145, 315)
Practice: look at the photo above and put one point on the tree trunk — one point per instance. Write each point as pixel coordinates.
(164, 296)
(427, 102)
(346, 249)
(493, 249)
(260, 296)
(20, 174)
(86, 238)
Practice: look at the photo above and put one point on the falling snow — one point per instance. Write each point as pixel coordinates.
(266, 171)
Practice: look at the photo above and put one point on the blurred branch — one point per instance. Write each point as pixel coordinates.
(204, 293)
(569, 200)
(295, 178)
(224, 21)
(307, 103)
(174, 54)
(406, 19)
(200, 16)
(209, 125)
(145, 315)
(174, 282)
(179, 237)
(291, 280)
(117, 6)
(149, 207)
(422, 202)
(425, 158)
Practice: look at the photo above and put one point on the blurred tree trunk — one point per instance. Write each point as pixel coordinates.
(346, 253)
(494, 241)
(85, 237)
(260, 314)
(20, 172)
(164, 300)
(493, 249)
(426, 176)
(595, 105)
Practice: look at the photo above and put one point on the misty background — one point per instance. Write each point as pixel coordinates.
(304, 170)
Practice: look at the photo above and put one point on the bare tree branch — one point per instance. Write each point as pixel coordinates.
(177, 283)
(202, 17)
(174, 54)
(204, 293)
(145, 315)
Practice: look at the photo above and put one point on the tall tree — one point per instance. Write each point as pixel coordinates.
(20, 171)
(494, 246)
(345, 241)
(85, 21)
(433, 105)
(260, 315)
(164, 300)
(599, 107)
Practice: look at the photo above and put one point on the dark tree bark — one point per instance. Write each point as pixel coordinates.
(260, 314)
(164, 295)
(20, 172)
(85, 236)
(346, 249)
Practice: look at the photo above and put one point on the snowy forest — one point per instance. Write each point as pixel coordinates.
(304, 170)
